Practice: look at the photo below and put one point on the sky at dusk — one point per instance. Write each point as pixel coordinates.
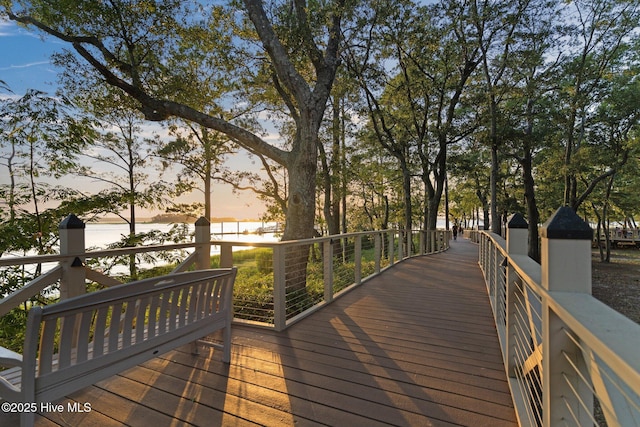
(25, 59)
(25, 64)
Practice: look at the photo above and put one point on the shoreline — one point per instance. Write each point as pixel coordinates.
(154, 220)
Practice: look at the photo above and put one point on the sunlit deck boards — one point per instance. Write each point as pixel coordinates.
(415, 346)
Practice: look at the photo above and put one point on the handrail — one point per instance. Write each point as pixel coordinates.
(591, 320)
(339, 262)
(34, 287)
(561, 348)
(104, 253)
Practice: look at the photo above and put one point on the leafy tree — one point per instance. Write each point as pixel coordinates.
(333, 172)
(368, 55)
(146, 49)
(39, 138)
(375, 185)
(414, 68)
(446, 59)
(200, 152)
(119, 159)
(139, 48)
(595, 40)
(471, 174)
(611, 143)
(528, 78)
(498, 26)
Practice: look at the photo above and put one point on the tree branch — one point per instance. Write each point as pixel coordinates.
(155, 109)
(287, 73)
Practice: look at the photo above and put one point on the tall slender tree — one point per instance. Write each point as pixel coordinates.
(596, 36)
(39, 138)
(200, 153)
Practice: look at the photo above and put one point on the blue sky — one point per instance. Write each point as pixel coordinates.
(25, 64)
(25, 60)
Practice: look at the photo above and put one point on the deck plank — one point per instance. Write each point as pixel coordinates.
(413, 346)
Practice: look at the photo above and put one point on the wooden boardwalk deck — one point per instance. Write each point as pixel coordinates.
(415, 346)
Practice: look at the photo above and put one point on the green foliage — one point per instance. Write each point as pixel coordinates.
(12, 329)
(264, 259)
(432, 92)
(253, 295)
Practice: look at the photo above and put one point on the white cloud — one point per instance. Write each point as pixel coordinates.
(8, 28)
(4, 26)
(27, 65)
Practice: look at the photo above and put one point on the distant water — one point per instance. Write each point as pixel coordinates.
(99, 235)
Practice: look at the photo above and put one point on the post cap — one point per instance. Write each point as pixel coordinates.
(71, 222)
(202, 221)
(517, 221)
(566, 224)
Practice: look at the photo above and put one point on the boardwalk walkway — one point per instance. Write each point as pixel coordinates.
(415, 346)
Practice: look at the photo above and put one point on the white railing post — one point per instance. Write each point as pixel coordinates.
(400, 245)
(279, 289)
(327, 269)
(226, 255)
(203, 240)
(391, 248)
(517, 235)
(517, 244)
(566, 267)
(72, 282)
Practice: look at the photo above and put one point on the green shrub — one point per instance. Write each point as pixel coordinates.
(264, 260)
(12, 329)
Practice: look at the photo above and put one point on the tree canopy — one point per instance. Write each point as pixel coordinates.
(383, 108)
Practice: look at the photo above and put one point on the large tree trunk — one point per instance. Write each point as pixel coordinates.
(495, 217)
(440, 177)
(406, 194)
(302, 170)
(425, 210)
(529, 185)
(532, 208)
(331, 173)
(299, 224)
(434, 205)
(305, 100)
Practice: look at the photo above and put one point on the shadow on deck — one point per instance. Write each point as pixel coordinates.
(415, 346)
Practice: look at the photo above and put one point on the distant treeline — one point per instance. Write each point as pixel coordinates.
(169, 218)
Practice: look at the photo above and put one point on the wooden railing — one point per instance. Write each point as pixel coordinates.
(265, 292)
(570, 359)
(69, 271)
